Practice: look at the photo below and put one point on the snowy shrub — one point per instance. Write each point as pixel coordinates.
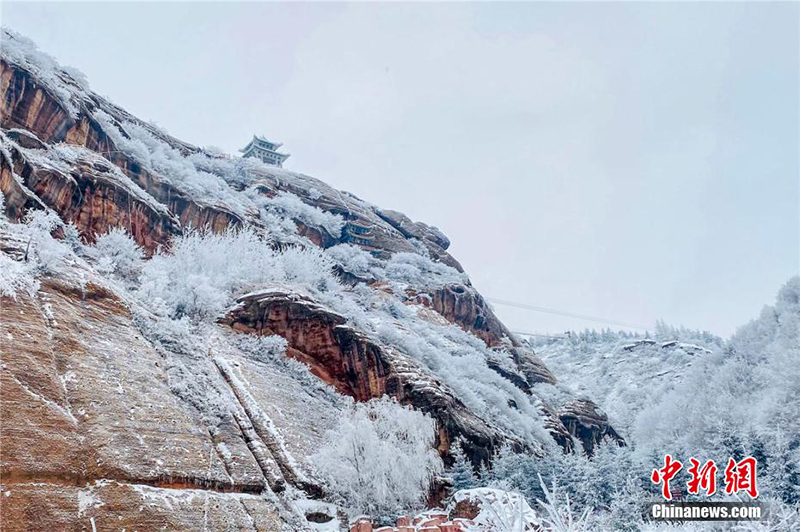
(72, 238)
(292, 206)
(308, 267)
(355, 260)
(16, 276)
(280, 227)
(204, 272)
(42, 249)
(262, 348)
(420, 271)
(41, 254)
(380, 460)
(117, 253)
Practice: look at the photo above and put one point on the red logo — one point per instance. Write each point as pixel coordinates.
(739, 476)
(703, 477)
(665, 474)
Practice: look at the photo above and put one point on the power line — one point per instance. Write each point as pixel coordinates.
(546, 310)
(553, 336)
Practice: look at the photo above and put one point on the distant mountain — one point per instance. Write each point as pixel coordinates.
(622, 371)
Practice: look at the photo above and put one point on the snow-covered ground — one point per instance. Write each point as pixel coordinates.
(623, 372)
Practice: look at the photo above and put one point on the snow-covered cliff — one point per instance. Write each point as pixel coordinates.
(182, 329)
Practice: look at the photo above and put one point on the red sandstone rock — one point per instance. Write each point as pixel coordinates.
(433, 522)
(588, 424)
(94, 195)
(26, 104)
(465, 509)
(84, 405)
(361, 525)
(357, 366)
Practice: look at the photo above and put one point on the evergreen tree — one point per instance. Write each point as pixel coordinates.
(461, 473)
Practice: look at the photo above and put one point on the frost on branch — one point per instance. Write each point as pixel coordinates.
(288, 204)
(380, 460)
(117, 253)
(204, 271)
(31, 251)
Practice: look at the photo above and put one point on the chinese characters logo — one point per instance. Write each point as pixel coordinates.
(739, 476)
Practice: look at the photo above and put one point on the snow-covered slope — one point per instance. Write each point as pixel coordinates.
(621, 371)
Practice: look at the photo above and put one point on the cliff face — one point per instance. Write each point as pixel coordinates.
(360, 367)
(92, 435)
(101, 421)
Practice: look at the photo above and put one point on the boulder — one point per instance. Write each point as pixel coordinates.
(588, 424)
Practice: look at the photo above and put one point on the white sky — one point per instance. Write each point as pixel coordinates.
(631, 161)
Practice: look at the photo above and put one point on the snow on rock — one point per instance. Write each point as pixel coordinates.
(67, 84)
(57, 175)
(612, 369)
(319, 516)
(497, 509)
(358, 365)
(472, 510)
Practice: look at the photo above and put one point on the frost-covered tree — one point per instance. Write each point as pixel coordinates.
(42, 249)
(462, 474)
(420, 271)
(380, 460)
(292, 206)
(117, 253)
(743, 401)
(41, 254)
(16, 276)
(203, 272)
(72, 238)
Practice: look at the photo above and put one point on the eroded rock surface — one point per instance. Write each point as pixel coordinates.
(466, 307)
(584, 420)
(360, 367)
(83, 188)
(93, 426)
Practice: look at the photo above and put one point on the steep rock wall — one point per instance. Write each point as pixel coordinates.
(359, 367)
(92, 427)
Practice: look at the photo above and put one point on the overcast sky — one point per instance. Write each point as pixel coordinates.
(630, 161)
